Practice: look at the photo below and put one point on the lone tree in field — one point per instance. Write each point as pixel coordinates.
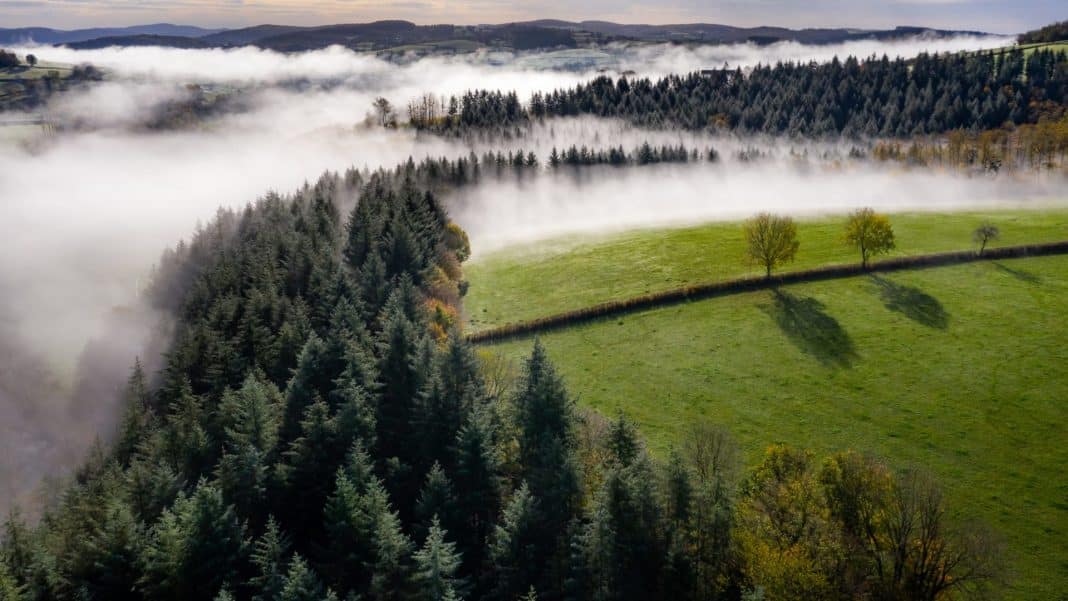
(31, 60)
(870, 232)
(771, 240)
(984, 234)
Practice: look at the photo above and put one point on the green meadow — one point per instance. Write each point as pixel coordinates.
(959, 370)
(535, 280)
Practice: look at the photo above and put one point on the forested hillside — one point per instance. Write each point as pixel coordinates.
(320, 430)
(876, 97)
(1054, 32)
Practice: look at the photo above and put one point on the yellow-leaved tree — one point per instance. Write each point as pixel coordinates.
(771, 240)
(870, 232)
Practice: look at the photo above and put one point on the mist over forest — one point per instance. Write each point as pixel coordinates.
(193, 145)
(113, 178)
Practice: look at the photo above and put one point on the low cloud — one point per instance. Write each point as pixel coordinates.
(88, 210)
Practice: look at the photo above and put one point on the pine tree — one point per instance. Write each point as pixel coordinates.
(269, 558)
(436, 565)
(243, 471)
(187, 440)
(195, 549)
(391, 571)
(514, 551)
(436, 503)
(137, 416)
(403, 376)
(478, 494)
(623, 441)
(305, 472)
(626, 536)
(311, 379)
(301, 583)
(545, 420)
(108, 554)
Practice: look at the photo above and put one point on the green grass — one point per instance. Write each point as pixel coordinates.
(41, 70)
(547, 278)
(460, 46)
(960, 370)
(1054, 46)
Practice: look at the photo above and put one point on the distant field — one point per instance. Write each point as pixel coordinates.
(460, 46)
(26, 72)
(961, 370)
(1054, 46)
(542, 279)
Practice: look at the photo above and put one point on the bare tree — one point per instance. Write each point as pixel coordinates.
(984, 234)
(425, 110)
(385, 116)
(499, 373)
(919, 557)
(711, 451)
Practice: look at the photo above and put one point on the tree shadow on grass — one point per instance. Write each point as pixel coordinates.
(811, 329)
(912, 302)
(1023, 276)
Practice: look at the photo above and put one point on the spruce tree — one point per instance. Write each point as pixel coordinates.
(436, 565)
(305, 473)
(437, 502)
(302, 584)
(477, 487)
(269, 557)
(195, 549)
(514, 551)
(137, 417)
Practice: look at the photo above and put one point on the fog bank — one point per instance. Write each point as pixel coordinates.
(605, 199)
(87, 211)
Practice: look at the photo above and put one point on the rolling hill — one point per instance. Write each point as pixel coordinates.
(45, 35)
(384, 35)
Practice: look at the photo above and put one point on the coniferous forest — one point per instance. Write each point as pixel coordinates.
(321, 430)
(319, 427)
(874, 97)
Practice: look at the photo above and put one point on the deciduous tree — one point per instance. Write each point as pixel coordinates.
(771, 240)
(870, 232)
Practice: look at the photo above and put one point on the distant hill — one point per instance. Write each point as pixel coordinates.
(44, 35)
(248, 35)
(727, 34)
(169, 41)
(379, 35)
(396, 34)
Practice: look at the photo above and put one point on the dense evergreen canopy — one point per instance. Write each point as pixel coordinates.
(320, 430)
(876, 97)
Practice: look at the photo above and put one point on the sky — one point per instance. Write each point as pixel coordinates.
(997, 16)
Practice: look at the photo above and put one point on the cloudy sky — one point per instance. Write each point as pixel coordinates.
(1001, 16)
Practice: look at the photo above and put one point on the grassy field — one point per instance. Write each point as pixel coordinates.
(41, 70)
(538, 280)
(960, 370)
(1054, 46)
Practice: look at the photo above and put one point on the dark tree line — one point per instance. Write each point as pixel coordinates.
(320, 430)
(8, 59)
(876, 97)
(1054, 32)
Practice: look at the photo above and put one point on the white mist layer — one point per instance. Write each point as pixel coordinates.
(85, 214)
(665, 59)
(478, 70)
(605, 199)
